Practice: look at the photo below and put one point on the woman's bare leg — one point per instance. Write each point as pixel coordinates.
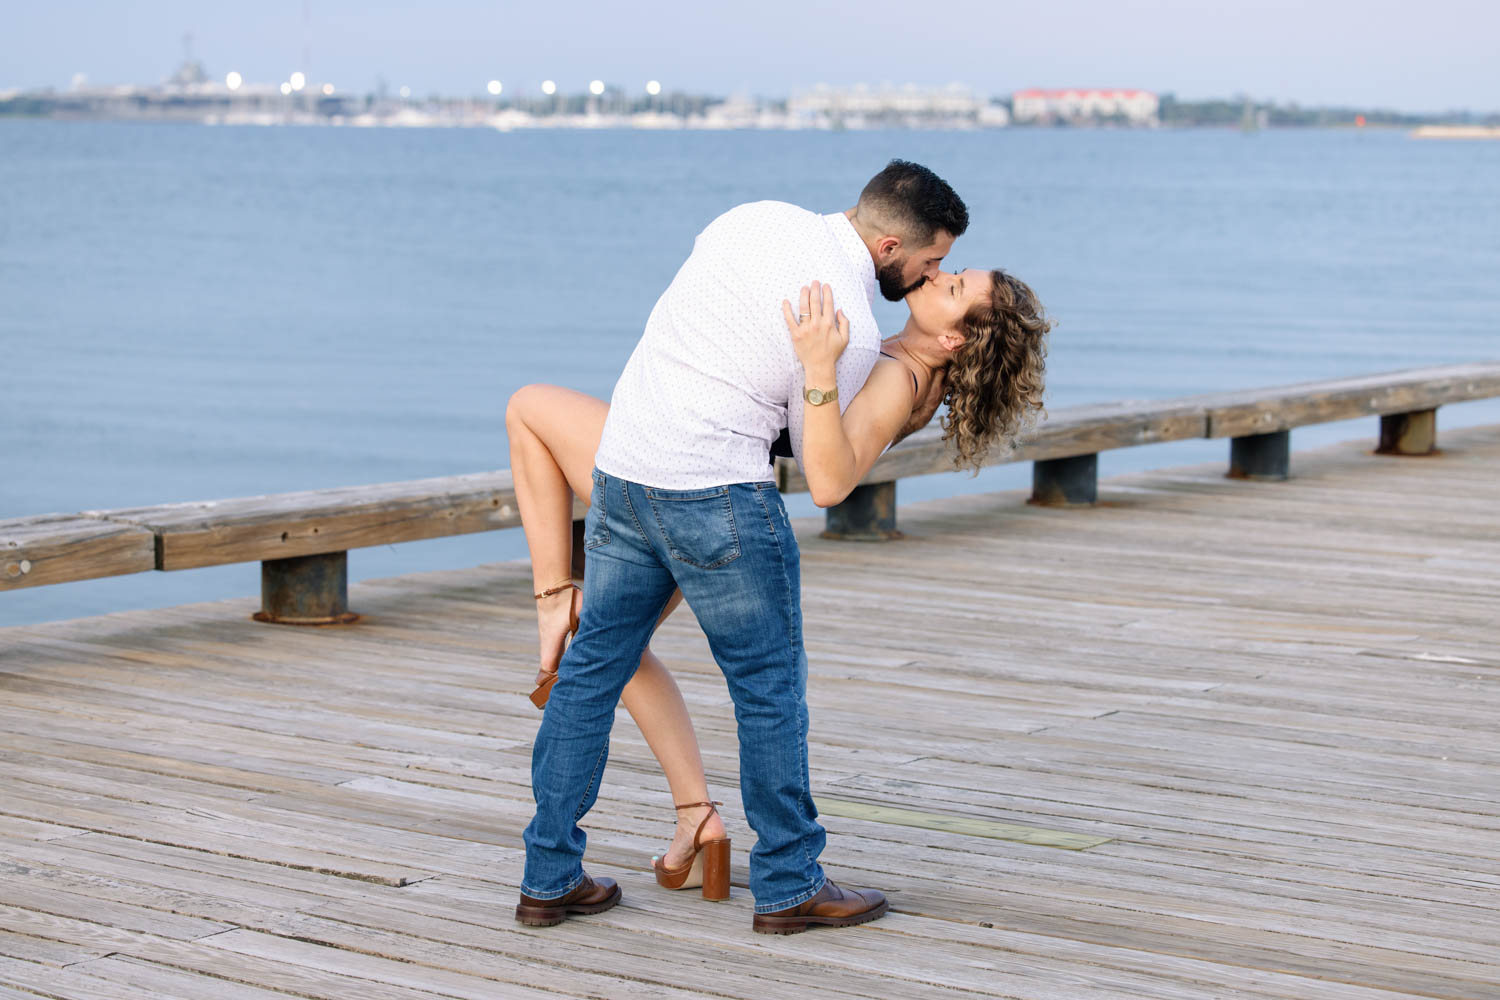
(653, 700)
(554, 434)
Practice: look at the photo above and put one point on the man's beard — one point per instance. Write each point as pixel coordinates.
(889, 278)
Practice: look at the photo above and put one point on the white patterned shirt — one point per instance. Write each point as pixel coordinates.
(710, 385)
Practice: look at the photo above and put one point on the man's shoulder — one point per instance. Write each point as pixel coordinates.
(775, 208)
(757, 214)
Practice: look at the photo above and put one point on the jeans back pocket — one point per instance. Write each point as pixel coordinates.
(698, 525)
(596, 524)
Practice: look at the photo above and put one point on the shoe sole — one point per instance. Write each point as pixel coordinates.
(550, 916)
(796, 925)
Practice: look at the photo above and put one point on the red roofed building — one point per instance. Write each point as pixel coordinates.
(1139, 107)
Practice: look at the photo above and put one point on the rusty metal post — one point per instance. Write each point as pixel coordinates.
(1065, 482)
(868, 514)
(1260, 456)
(306, 590)
(1412, 433)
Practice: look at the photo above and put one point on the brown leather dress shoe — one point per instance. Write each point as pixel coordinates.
(590, 897)
(831, 907)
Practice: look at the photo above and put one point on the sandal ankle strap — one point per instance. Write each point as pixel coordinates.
(712, 812)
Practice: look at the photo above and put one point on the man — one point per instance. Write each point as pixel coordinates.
(683, 499)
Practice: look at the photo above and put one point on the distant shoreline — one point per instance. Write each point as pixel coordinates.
(1456, 132)
(191, 97)
(661, 123)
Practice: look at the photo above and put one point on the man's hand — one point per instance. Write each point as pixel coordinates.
(926, 406)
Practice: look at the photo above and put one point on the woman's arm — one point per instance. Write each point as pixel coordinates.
(838, 449)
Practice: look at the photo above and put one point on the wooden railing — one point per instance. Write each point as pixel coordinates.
(302, 539)
(1258, 422)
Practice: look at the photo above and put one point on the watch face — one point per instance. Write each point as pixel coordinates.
(815, 396)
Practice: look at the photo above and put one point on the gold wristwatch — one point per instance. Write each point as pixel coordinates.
(818, 397)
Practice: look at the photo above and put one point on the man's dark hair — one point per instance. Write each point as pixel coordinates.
(910, 196)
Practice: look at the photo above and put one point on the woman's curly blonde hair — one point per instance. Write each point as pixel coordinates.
(995, 380)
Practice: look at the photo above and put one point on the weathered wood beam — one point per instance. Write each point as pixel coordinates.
(302, 539)
(284, 525)
(1262, 411)
(60, 548)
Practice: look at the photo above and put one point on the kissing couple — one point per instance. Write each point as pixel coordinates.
(764, 335)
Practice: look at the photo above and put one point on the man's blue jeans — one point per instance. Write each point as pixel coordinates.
(731, 551)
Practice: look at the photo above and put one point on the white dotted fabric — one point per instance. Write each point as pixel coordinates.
(710, 384)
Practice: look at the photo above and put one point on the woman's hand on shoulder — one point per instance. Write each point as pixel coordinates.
(819, 331)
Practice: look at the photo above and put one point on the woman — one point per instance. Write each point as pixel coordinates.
(975, 339)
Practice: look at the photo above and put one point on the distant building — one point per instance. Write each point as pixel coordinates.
(1138, 107)
(863, 106)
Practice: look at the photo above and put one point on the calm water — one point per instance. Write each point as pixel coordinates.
(189, 313)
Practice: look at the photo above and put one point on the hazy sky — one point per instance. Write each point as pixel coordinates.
(1428, 55)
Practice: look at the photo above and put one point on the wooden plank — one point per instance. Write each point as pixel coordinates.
(205, 832)
(1262, 411)
(63, 903)
(6, 993)
(13, 830)
(169, 890)
(965, 825)
(72, 983)
(239, 883)
(29, 948)
(190, 956)
(279, 526)
(126, 978)
(58, 548)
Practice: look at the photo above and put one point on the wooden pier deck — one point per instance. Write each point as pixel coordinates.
(1208, 739)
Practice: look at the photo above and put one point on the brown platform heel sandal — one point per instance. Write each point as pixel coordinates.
(708, 868)
(544, 689)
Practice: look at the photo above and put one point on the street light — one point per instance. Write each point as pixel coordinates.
(233, 81)
(327, 90)
(596, 88)
(549, 88)
(298, 80)
(286, 88)
(405, 93)
(653, 87)
(494, 88)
